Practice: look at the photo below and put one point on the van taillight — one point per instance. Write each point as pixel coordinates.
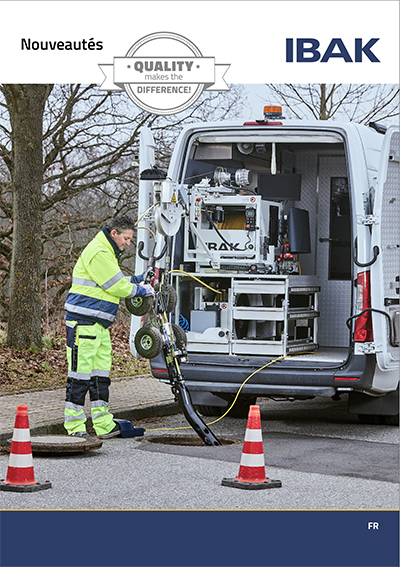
(363, 324)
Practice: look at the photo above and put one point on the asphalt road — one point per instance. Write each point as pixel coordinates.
(324, 458)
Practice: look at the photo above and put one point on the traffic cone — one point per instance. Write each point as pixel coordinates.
(252, 467)
(20, 475)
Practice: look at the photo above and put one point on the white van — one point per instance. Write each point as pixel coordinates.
(283, 247)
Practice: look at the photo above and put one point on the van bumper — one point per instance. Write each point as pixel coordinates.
(224, 374)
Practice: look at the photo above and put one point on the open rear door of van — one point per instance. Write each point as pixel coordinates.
(385, 270)
(146, 161)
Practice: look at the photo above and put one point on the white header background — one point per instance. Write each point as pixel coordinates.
(248, 35)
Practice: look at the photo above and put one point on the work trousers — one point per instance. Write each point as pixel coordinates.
(89, 355)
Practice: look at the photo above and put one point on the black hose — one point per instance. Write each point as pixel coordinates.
(210, 220)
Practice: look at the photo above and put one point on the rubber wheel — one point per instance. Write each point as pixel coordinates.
(139, 305)
(240, 410)
(391, 419)
(168, 296)
(180, 336)
(148, 342)
(241, 407)
(209, 411)
(367, 419)
(378, 419)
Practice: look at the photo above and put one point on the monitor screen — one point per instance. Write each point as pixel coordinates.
(279, 187)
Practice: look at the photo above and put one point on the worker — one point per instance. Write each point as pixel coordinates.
(92, 305)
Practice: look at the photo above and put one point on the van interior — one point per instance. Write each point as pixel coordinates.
(304, 248)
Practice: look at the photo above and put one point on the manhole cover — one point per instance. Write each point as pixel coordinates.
(61, 444)
(188, 440)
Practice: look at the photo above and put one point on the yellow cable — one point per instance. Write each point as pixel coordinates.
(237, 393)
(149, 229)
(298, 263)
(232, 404)
(197, 280)
(248, 378)
(170, 428)
(145, 213)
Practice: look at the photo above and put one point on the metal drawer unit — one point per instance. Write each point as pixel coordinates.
(303, 320)
(274, 326)
(267, 315)
(264, 319)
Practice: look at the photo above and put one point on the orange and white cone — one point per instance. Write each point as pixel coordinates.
(20, 475)
(252, 467)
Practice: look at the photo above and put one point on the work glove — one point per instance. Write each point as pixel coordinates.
(137, 279)
(143, 277)
(144, 290)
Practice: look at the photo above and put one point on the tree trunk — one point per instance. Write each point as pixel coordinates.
(323, 113)
(26, 107)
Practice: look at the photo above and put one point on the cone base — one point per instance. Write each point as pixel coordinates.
(25, 487)
(233, 483)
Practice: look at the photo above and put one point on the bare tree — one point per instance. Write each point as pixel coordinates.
(87, 172)
(26, 105)
(357, 103)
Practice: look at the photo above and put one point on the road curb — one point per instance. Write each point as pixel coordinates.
(132, 414)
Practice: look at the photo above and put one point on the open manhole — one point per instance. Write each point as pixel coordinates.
(188, 440)
(61, 444)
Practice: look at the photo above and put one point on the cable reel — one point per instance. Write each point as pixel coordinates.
(168, 218)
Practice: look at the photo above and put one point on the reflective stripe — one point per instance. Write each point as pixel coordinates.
(74, 413)
(20, 461)
(21, 435)
(134, 291)
(80, 417)
(98, 404)
(93, 301)
(109, 283)
(101, 373)
(70, 324)
(89, 312)
(96, 415)
(103, 408)
(250, 460)
(83, 281)
(253, 435)
(74, 407)
(79, 375)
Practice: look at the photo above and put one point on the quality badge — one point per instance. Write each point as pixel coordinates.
(164, 73)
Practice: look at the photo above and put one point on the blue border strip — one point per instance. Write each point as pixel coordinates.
(199, 538)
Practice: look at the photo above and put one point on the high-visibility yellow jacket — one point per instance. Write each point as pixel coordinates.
(98, 283)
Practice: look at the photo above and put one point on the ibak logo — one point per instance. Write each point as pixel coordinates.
(164, 73)
(307, 50)
(223, 246)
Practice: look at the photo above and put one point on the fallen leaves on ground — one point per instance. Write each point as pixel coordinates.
(47, 368)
